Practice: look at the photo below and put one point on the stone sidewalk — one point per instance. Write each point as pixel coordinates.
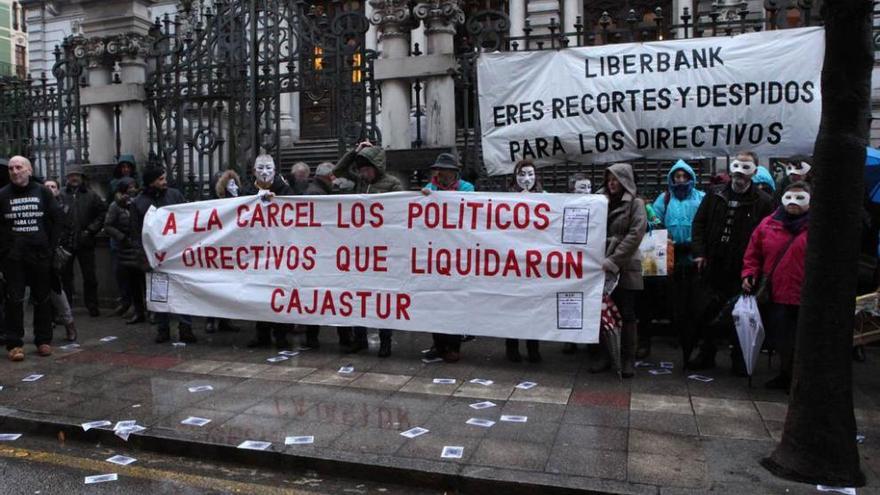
(596, 433)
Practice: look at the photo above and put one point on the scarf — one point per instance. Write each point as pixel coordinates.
(682, 191)
(792, 223)
(452, 187)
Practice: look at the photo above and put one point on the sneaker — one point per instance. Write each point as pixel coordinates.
(71, 331)
(16, 354)
(44, 350)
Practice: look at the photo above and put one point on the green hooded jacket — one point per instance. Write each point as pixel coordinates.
(375, 155)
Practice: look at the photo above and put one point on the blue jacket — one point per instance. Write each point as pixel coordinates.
(678, 215)
(762, 176)
(463, 186)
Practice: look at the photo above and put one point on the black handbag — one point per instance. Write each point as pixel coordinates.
(764, 290)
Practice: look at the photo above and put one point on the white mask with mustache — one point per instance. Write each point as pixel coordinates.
(264, 169)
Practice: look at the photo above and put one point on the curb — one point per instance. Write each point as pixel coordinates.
(421, 473)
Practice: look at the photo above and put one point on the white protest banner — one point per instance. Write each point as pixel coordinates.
(499, 264)
(695, 98)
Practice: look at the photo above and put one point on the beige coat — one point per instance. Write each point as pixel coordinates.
(627, 222)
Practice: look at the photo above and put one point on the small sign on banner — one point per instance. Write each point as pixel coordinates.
(654, 249)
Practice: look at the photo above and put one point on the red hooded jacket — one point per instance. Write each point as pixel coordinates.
(765, 246)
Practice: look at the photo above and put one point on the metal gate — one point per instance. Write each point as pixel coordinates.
(42, 119)
(220, 73)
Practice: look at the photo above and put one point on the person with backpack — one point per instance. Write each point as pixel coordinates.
(676, 209)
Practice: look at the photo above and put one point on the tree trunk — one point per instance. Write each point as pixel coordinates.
(818, 443)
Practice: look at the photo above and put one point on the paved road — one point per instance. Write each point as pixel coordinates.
(34, 465)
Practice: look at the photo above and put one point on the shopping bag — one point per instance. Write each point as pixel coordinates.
(655, 252)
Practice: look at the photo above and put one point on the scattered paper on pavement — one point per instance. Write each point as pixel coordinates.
(666, 365)
(432, 360)
(254, 445)
(485, 423)
(32, 378)
(514, 419)
(661, 371)
(836, 489)
(95, 424)
(482, 405)
(100, 478)
(121, 460)
(289, 353)
(200, 388)
(444, 381)
(414, 432)
(526, 385)
(480, 381)
(452, 452)
(109, 338)
(346, 369)
(301, 440)
(195, 421)
(701, 378)
(9, 437)
(277, 359)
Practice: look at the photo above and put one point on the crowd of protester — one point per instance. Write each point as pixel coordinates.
(48, 226)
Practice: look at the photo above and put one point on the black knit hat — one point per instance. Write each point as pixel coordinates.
(151, 173)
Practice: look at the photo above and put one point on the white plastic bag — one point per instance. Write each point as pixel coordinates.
(749, 329)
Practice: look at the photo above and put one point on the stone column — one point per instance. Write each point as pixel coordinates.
(570, 12)
(133, 120)
(440, 17)
(517, 15)
(391, 17)
(102, 138)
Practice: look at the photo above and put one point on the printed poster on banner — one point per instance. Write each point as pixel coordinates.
(694, 98)
(492, 264)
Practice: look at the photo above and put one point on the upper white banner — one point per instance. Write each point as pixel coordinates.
(499, 264)
(695, 98)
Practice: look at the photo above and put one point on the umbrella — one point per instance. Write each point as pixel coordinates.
(609, 330)
(749, 330)
(872, 174)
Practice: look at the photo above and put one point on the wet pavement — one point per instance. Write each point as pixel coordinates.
(653, 434)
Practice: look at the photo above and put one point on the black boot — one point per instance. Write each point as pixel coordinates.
(644, 349)
(280, 334)
(705, 360)
(512, 350)
(186, 334)
(534, 353)
(385, 348)
(569, 348)
(163, 335)
(628, 344)
(601, 361)
(261, 339)
(225, 326)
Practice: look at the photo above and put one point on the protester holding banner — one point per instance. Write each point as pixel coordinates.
(227, 185)
(525, 180)
(30, 226)
(157, 193)
(677, 208)
(320, 185)
(627, 222)
(267, 184)
(721, 231)
(365, 166)
(446, 176)
(578, 183)
(776, 254)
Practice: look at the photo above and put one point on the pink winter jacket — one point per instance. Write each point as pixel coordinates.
(766, 244)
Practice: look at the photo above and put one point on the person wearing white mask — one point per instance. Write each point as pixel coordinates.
(525, 180)
(721, 230)
(776, 251)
